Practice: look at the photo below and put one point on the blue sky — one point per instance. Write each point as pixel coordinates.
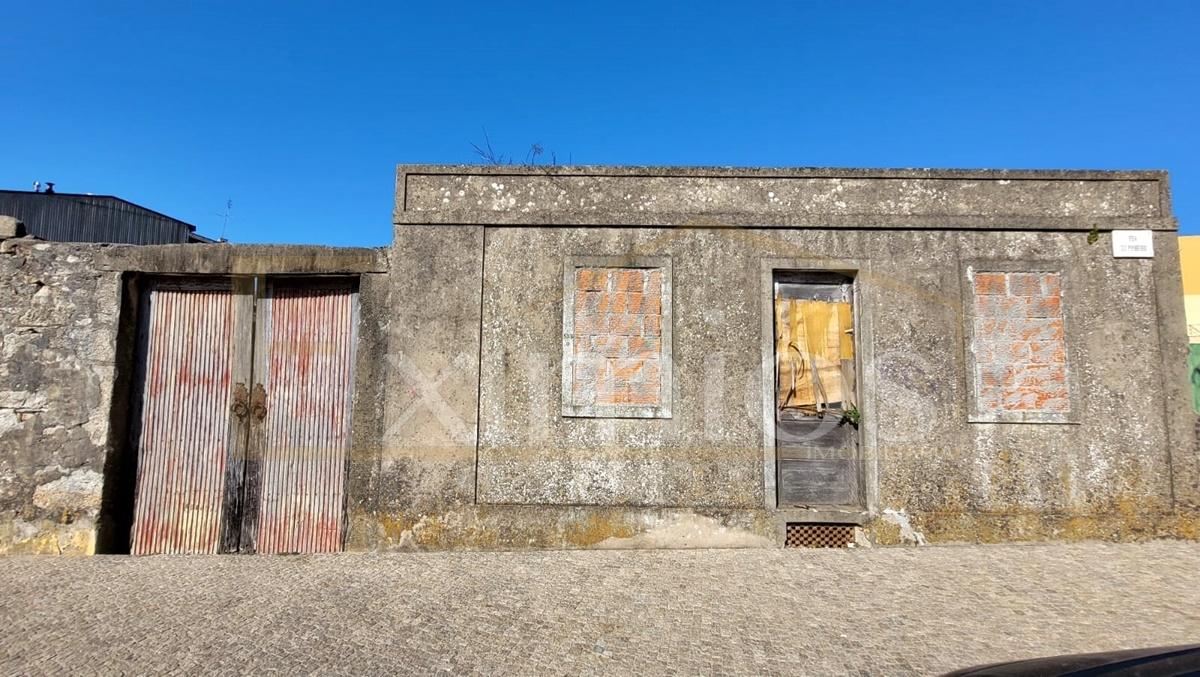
(299, 111)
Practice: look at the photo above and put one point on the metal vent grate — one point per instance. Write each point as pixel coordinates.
(819, 536)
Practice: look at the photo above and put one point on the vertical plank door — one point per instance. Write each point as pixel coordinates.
(816, 446)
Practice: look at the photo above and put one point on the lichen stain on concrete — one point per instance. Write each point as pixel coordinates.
(45, 537)
(523, 527)
(454, 529)
(596, 529)
(429, 531)
(1124, 521)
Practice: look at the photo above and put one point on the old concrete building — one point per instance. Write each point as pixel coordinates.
(616, 357)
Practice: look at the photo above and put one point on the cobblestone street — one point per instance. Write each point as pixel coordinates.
(885, 611)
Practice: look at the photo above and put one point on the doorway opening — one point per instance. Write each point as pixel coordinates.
(817, 458)
(241, 412)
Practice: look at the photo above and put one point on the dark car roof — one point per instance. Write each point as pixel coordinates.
(1154, 662)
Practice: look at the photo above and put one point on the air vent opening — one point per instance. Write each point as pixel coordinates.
(806, 535)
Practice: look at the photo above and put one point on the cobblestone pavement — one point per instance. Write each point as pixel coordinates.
(885, 611)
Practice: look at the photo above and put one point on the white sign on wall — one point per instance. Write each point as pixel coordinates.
(1133, 244)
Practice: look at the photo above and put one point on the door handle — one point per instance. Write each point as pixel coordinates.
(258, 402)
(240, 398)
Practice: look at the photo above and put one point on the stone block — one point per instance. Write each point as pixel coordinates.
(10, 227)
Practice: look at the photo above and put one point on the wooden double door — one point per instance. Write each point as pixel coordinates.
(242, 417)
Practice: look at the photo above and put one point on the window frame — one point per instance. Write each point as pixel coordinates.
(975, 411)
(570, 409)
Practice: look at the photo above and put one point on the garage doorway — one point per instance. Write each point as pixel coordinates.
(242, 414)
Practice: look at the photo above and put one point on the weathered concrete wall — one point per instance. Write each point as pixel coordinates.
(459, 434)
(1120, 465)
(931, 460)
(708, 452)
(431, 379)
(789, 196)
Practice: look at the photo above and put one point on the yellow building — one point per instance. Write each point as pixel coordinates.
(1189, 260)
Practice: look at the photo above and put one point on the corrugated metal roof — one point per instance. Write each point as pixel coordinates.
(74, 217)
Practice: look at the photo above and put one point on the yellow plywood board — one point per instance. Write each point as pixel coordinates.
(813, 347)
(1191, 310)
(1189, 262)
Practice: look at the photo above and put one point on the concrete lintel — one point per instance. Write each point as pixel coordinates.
(230, 259)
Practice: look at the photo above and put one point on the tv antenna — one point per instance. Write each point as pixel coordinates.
(225, 216)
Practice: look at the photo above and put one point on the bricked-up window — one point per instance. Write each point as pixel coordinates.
(616, 338)
(1019, 347)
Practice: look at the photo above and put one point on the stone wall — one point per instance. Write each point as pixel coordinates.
(67, 333)
(57, 356)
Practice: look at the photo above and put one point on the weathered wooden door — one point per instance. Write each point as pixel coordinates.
(816, 412)
(243, 412)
